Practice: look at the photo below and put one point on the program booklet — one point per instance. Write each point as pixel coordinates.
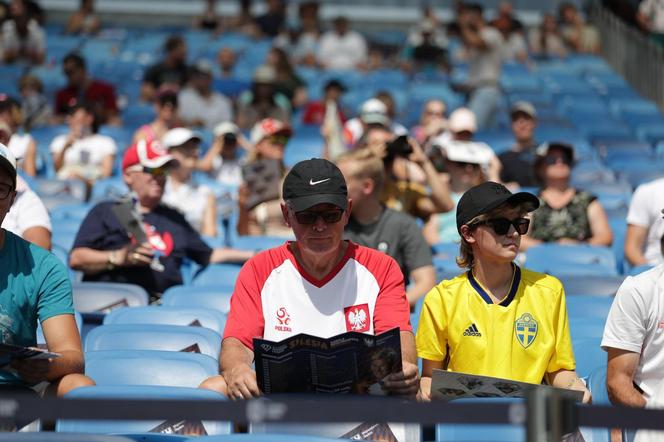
(449, 385)
(9, 352)
(351, 362)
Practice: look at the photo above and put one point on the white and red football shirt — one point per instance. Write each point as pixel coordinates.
(275, 298)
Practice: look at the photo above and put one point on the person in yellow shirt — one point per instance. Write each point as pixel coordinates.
(496, 319)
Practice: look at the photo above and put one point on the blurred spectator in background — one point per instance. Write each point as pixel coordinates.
(209, 20)
(263, 101)
(23, 38)
(342, 48)
(305, 45)
(84, 20)
(566, 215)
(645, 227)
(517, 163)
(429, 48)
(28, 217)
(82, 88)
(579, 36)
(373, 225)
(650, 17)
(314, 111)
(171, 72)
(483, 51)
(515, 47)
(545, 41)
(465, 165)
(226, 59)
(35, 107)
(259, 200)
(105, 251)
(373, 111)
(222, 161)
(199, 104)
(82, 153)
(21, 144)
(287, 83)
(4, 12)
(196, 202)
(428, 21)
(243, 22)
(274, 19)
(391, 111)
(432, 123)
(166, 117)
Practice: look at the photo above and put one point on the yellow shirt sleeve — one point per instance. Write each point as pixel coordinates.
(432, 329)
(563, 356)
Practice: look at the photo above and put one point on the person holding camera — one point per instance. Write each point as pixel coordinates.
(221, 161)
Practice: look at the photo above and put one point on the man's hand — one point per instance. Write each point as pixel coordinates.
(241, 381)
(135, 255)
(32, 370)
(424, 393)
(404, 383)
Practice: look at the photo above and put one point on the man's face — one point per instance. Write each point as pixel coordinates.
(434, 110)
(523, 127)
(7, 193)
(320, 237)
(148, 185)
(226, 59)
(74, 73)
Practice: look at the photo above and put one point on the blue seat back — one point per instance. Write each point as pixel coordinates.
(149, 367)
(102, 297)
(215, 297)
(154, 337)
(561, 260)
(190, 316)
(588, 355)
(593, 285)
(217, 274)
(589, 306)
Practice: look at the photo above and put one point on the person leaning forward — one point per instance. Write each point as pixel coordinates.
(316, 281)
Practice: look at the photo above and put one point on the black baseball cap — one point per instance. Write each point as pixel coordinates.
(485, 197)
(315, 181)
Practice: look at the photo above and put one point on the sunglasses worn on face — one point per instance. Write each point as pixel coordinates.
(462, 164)
(156, 171)
(329, 216)
(279, 139)
(502, 225)
(551, 160)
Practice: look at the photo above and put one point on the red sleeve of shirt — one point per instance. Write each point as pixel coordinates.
(245, 320)
(106, 92)
(61, 101)
(392, 308)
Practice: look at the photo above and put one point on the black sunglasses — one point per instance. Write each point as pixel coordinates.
(550, 160)
(502, 225)
(329, 216)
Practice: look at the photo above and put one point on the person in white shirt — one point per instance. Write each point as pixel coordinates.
(341, 48)
(199, 104)
(197, 203)
(645, 227)
(22, 145)
(83, 153)
(221, 161)
(28, 217)
(22, 37)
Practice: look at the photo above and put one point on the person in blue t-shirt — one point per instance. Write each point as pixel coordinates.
(35, 287)
(104, 250)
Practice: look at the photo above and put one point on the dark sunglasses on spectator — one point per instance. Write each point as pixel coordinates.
(279, 139)
(329, 216)
(463, 164)
(502, 225)
(156, 171)
(5, 190)
(435, 113)
(550, 160)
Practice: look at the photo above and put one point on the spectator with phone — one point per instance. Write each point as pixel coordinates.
(222, 161)
(140, 240)
(259, 200)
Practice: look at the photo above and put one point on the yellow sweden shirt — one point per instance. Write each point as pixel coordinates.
(522, 338)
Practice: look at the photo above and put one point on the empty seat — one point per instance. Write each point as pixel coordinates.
(217, 274)
(561, 260)
(588, 354)
(215, 297)
(191, 316)
(594, 285)
(102, 297)
(138, 426)
(149, 367)
(154, 337)
(62, 437)
(586, 307)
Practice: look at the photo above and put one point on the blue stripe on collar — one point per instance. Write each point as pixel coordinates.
(516, 280)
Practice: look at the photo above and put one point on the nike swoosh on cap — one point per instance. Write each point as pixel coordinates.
(313, 183)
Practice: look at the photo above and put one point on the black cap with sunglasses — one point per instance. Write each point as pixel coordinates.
(315, 181)
(487, 196)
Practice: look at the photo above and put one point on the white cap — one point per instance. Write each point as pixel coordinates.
(374, 111)
(178, 136)
(468, 152)
(461, 120)
(8, 162)
(224, 128)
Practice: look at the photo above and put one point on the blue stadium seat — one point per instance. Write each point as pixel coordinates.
(482, 432)
(588, 354)
(154, 337)
(102, 297)
(217, 297)
(268, 438)
(597, 385)
(61, 437)
(190, 316)
(586, 307)
(69, 212)
(639, 269)
(586, 328)
(561, 260)
(217, 274)
(248, 242)
(138, 392)
(149, 367)
(64, 233)
(108, 189)
(591, 285)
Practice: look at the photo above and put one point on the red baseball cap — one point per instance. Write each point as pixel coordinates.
(146, 154)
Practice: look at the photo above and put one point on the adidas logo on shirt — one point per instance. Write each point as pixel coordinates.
(472, 331)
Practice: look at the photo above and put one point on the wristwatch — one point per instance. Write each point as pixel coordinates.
(110, 261)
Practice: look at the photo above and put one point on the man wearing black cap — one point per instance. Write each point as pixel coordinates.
(318, 284)
(497, 319)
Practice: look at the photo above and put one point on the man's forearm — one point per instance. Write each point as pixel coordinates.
(440, 192)
(233, 353)
(408, 352)
(69, 362)
(621, 391)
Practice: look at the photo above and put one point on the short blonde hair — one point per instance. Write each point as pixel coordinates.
(466, 258)
(366, 165)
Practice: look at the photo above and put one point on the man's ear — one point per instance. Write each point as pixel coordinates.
(284, 213)
(467, 234)
(368, 186)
